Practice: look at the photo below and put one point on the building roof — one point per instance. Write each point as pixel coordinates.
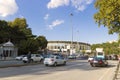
(8, 44)
(68, 42)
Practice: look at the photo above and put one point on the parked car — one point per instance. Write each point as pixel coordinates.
(34, 58)
(54, 60)
(72, 57)
(98, 62)
(90, 59)
(20, 57)
(115, 57)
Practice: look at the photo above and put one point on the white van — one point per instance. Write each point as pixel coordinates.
(100, 52)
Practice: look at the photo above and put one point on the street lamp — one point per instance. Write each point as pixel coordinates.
(71, 34)
(77, 41)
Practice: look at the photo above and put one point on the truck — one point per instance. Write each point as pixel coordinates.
(100, 53)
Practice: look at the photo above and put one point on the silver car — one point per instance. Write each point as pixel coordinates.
(54, 60)
(20, 57)
(34, 58)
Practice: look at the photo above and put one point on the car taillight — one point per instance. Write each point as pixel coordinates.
(91, 60)
(100, 62)
(52, 59)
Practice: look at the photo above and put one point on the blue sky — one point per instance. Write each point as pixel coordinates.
(52, 19)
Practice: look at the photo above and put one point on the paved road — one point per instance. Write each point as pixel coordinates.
(75, 70)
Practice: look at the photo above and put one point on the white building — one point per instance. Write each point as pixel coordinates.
(66, 46)
(8, 50)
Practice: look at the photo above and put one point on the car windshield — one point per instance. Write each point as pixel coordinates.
(50, 56)
(100, 53)
(96, 58)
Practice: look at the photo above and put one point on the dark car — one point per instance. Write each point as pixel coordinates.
(98, 62)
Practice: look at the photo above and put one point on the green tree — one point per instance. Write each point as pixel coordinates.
(4, 31)
(109, 48)
(21, 35)
(108, 15)
(28, 45)
(42, 41)
(21, 23)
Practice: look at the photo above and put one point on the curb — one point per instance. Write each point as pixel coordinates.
(19, 65)
(25, 64)
(116, 71)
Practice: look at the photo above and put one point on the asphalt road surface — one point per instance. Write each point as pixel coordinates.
(74, 70)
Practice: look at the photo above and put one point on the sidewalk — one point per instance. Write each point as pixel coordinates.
(11, 62)
(117, 72)
(7, 59)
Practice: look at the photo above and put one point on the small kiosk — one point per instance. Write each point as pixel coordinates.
(8, 50)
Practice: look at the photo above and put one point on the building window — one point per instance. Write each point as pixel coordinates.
(55, 47)
(51, 47)
(65, 46)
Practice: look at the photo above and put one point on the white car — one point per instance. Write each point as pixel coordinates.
(20, 57)
(34, 58)
(53, 60)
(90, 59)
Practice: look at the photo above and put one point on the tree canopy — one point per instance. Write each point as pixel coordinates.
(108, 14)
(28, 45)
(109, 48)
(21, 35)
(22, 25)
(42, 41)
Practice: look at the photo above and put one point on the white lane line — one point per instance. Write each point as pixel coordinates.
(101, 78)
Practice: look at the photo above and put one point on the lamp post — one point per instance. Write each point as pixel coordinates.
(71, 34)
(77, 41)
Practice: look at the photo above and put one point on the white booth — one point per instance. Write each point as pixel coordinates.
(8, 50)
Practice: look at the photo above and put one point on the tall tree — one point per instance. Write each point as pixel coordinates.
(42, 41)
(21, 23)
(28, 45)
(108, 15)
(4, 31)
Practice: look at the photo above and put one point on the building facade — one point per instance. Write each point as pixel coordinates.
(67, 46)
(8, 50)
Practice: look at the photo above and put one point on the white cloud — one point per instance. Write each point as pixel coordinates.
(8, 7)
(55, 23)
(80, 5)
(57, 3)
(21, 16)
(89, 1)
(46, 16)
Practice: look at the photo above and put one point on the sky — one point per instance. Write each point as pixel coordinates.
(58, 19)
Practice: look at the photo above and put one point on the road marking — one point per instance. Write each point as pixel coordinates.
(101, 78)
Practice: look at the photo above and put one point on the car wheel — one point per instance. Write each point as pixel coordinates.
(106, 65)
(55, 64)
(24, 61)
(91, 64)
(46, 64)
(64, 63)
(94, 65)
(31, 60)
(41, 60)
